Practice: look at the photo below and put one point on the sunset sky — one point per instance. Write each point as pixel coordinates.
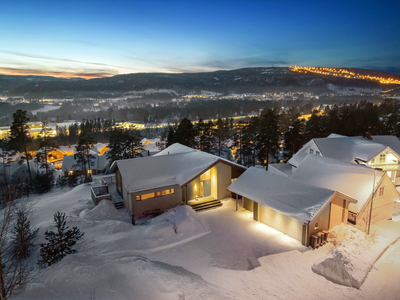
(104, 38)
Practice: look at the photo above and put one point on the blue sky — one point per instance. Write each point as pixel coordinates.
(103, 38)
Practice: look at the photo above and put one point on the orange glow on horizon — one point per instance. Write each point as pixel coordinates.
(59, 74)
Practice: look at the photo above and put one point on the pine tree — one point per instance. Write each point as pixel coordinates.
(23, 236)
(60, 243)
(19, 138)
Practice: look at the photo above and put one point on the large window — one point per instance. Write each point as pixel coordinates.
(206, 175)
(147, 196)
(153, 195)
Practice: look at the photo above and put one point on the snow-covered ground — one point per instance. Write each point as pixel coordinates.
(46, 108)
(216, 254)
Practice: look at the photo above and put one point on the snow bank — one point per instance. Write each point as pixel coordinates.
(103, 211)
(177, 226)
(351, 259)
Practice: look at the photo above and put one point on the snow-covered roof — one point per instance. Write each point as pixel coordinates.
(175, 148)
(67, 149)
(335, 135)
(98, 162)
(287, 195)
(390, 140)
(350, 179)
(281, 169)
(181, 165)
(150, 145)
(97, 147)
(346, 149)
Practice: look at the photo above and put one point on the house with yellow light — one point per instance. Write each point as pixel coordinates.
(98, 164)
(291, 206)
(378, 153)
(177, 175)
(373, 189)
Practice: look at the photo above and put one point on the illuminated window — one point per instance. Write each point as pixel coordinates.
(206, 175)
(137, 198)
(316, 225)
(158, 194)
(381, 191)
(172, 191)
(382, 158)
(165, 192)
(147, 196)
(70, 172)
(89, 172)
(311, 151)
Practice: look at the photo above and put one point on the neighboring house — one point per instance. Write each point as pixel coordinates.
(98, 164)
(100, 148)
(172, 177)
(354, 150)
(356, 181)
(150, 146)
(289, 205)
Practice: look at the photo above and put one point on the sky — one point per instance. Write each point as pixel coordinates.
(104, 38)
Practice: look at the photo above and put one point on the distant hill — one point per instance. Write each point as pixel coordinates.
(237, 81)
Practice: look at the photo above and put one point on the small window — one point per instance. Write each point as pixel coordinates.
(398, 173)
(172, 191)
(317, 153)
(381, 191)
(147, 196)
(311, 151)
(158, 194)
(137, 198)
(373, 160)
(382, 158)
(316, 225)
(70, 172)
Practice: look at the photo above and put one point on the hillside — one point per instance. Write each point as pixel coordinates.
(235, 81)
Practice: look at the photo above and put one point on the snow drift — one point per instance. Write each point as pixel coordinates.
(351, 259)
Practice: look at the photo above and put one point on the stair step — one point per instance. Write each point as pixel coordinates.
(204, 203)
(119, 205)
(208, 206)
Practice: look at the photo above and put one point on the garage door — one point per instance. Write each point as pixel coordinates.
(281, 222)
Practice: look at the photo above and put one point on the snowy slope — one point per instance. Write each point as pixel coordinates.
(216, 254)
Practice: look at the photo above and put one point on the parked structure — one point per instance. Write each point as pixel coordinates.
(293, 207)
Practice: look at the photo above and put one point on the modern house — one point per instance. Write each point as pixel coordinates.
(176, 175)
(356, 150)
(291, 206)
(355, 181)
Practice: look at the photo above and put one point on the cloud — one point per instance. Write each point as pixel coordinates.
(84, 74)
(54, 58)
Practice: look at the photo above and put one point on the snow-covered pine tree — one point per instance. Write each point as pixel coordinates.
(59, 243)
(23, 236)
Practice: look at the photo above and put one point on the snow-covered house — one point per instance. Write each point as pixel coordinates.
(176, 175)
(356, 181)
(150, 146)
(98, 164)
(291, 206)
(356, 150)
